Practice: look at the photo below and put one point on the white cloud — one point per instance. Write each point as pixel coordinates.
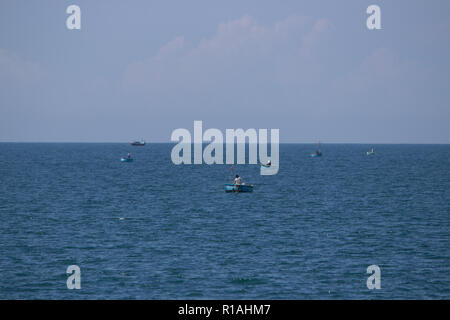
(154, 69)
(241, 52)
(14, 69)
(383, 69)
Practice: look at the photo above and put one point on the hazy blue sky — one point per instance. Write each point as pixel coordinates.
(140, 69)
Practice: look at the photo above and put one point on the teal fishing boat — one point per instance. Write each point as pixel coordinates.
(238, 185)
(128, 158)
(371, 152)
(229, 187)
(267, 165)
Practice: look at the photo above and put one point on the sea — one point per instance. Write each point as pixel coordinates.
(150, 229)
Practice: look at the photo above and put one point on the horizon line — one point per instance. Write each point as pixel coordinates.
(172, 142)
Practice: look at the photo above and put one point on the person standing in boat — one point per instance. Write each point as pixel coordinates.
(269, 163)
(129, 156)
(237, 180)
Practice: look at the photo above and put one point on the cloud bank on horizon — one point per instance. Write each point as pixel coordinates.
(314, 76)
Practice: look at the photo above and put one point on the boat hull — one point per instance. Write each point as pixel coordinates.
(126, 160)
(238, 188)
(370, 153)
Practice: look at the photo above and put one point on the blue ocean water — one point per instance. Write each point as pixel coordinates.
(153, 230)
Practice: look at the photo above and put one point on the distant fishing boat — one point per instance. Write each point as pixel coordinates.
(138, 143)
(317, 153)
(267, 165)
(371, 152)
(229, 187)
(126, 159)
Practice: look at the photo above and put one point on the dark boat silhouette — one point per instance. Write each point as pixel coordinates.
(138, 143)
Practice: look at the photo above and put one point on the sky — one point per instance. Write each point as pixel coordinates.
(141, 69)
